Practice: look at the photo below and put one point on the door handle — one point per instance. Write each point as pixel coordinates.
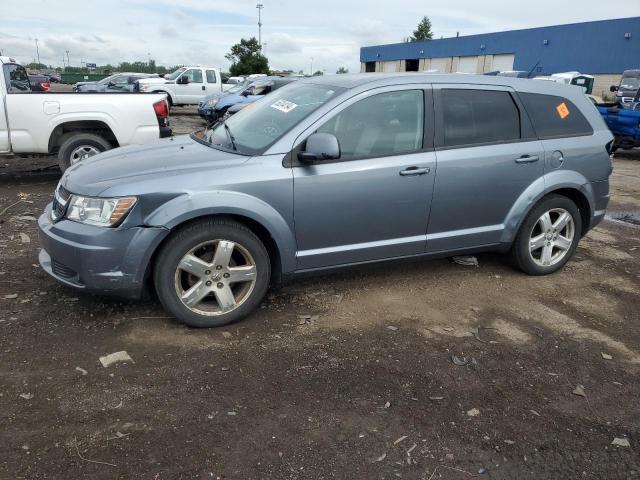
(203, 87)
(412, 171)
(527, 159)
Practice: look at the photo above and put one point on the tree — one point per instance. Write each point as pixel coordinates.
(317, 73)
(343, 70)
(423, 32)
(246, 58)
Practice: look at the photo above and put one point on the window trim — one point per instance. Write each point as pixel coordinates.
(291, 159)
(527, 134)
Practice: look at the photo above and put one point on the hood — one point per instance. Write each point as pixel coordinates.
(133, 169)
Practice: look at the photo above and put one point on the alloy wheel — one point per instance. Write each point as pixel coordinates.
(552, 237)
(215, 277)
(82, 152)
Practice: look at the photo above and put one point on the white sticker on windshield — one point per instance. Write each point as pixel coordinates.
(284, 106)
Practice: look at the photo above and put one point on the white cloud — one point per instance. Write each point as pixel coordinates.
(196, 31)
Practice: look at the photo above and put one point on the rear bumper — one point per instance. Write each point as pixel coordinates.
(106, 261)
(601, 201)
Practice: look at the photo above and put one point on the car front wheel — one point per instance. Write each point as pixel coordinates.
(212, 272)
(548, 237)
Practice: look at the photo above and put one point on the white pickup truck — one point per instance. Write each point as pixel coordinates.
(185, 86)
(73, 125)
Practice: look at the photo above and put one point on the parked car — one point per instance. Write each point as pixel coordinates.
(39, 83)
(117, 83)
(233, 109)
(233, 81)
(215, 108)
(628, 87)
(331, 172)
(54, 78)
(571, 78)
(185, 86)
(70, 125)
(205, 106)
(624, 124)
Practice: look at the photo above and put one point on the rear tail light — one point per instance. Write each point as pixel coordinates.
(45, 86)
(161, 108)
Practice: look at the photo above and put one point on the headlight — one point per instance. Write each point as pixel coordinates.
(212, 103)
(101, 212)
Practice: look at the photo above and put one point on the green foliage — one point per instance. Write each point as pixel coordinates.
(342, 70)
(423, 32)
(246, 58)
(317, 73)
(37, 66)
(137, 67)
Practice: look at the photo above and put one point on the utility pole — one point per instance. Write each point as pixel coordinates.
(68, 62)
(311, 71)
(38, 53)
(259, 7)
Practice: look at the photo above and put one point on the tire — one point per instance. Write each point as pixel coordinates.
(541, 247)
(203, 239)
(71, 142)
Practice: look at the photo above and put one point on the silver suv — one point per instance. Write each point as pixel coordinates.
(331, 172)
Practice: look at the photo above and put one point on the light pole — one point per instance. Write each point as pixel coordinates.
(311, 71)
(68, 62)
(38, 53)
(259, 7)
(148, 58)
(264, 49)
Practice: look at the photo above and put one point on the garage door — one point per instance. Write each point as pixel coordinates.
(440, 64)
(502, 63)
(390, 67)
(468, 64)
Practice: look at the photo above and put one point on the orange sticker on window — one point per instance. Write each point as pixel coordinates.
(563, 110)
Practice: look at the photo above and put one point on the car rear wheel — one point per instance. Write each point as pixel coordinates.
(211, 273)
(76, 147)
(548, 237)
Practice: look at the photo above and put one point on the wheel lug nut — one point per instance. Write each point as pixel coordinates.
(226, 275)
(220, 285)
(208, 284)
(218, 267)
(207, 272)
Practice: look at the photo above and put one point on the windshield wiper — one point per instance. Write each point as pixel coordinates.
(231, 139)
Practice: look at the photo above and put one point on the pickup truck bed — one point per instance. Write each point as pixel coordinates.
(623, 123)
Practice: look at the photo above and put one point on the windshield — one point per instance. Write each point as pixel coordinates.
(174, 75)
(262, 123)
(239, 87)
(630, 83)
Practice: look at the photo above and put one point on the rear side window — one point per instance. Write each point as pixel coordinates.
(472, 117)
(211, 76)
(16, 78)
(554, 116)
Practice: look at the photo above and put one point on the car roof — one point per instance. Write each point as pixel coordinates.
(373, 80)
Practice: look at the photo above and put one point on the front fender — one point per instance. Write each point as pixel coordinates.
(550, 182)
(190, 206)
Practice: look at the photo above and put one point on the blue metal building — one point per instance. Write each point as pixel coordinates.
(597, 48)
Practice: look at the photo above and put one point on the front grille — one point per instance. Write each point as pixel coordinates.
(62, 270)
(60, 201)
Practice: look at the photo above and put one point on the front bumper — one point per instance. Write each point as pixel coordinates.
(106, 261)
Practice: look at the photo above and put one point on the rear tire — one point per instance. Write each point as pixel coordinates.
(211, 273)
(77, 146)
(548, 237)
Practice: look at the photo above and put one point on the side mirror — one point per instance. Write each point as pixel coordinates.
(111, 84)
(613, 88)
(320, 146)
(183, 80)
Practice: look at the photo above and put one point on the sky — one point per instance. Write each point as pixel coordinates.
(297, 34)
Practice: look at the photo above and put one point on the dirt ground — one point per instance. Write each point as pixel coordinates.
(430, 370)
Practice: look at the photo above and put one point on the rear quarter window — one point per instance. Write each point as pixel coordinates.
(554, 116)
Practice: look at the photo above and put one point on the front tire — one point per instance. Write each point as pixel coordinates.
(211, 273)
(548, 237)
(75, 147)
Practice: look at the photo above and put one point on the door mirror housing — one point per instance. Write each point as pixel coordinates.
(613, 88)
(183, 80)
(320, 146)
